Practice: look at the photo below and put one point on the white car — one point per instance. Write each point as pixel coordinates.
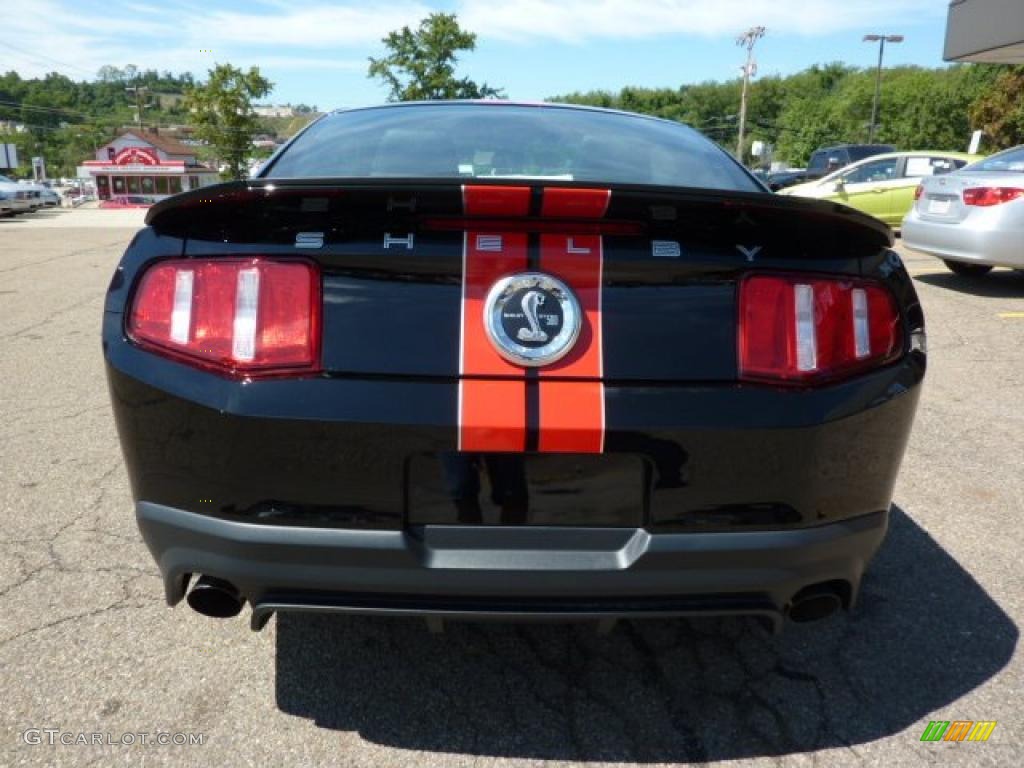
(50, 198)
(972, 219)
(6, 204)
(18, 195)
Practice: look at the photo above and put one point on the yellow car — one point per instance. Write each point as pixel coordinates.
(882, 185)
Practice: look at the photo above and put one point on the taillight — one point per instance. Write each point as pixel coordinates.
(249, 316)
(986, 196)
(802, 330)
(918, 191)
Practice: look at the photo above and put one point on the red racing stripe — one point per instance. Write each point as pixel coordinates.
(492, 412)
(572, 412)
(496, 201)
(568, 203)
(571, 417)
(492, 415)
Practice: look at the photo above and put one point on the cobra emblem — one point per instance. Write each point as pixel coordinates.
(531, 302)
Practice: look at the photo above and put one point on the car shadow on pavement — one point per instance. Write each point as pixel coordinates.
(1001, 284)
(924, 634)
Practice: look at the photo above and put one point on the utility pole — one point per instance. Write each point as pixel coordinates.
(747, 40)
(138, 90)
(881, 40)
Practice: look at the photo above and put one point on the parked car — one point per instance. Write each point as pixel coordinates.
(972, 219)
(827, 160)
(19, 196)
(782, 179)
(6, 204)
(882, 185)
(34, 196)
(127, 201)
(43, 196)
(464, 359)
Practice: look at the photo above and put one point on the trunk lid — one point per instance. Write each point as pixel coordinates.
(407, 266)
(942, 196)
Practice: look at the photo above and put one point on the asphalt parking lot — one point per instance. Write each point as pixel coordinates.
(87, 644)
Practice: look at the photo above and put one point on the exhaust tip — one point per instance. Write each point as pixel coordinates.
(815, 603)
(215, 598)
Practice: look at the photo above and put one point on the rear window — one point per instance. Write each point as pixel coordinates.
(507, 141)
(1011, 160)
(818, 162)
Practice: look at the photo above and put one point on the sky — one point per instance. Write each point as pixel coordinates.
(315, 51)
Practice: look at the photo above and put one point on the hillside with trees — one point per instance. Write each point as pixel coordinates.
(63, 120)
(920, 108)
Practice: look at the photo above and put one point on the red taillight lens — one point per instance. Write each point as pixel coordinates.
(986, 196)
(250, 316)
(795, 329)
(918, 191)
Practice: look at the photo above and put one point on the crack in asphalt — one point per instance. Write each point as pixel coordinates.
(53, 316)
(105, 247)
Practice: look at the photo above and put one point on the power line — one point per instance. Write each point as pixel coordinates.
(41, 57)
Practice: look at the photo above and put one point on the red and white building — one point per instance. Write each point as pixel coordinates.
(142, 163)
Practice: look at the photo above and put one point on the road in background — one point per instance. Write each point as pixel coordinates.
(88, 645)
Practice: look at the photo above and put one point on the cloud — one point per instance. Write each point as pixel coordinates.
(281, 35)
(306, 25)
(56, 35)
(576, 21)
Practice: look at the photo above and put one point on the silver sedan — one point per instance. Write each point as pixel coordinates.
(972, 219)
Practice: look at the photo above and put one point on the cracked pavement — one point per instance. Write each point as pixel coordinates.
(88, 645)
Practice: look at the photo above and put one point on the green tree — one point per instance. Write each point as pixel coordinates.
(999, 110)
(223, 115)
(420, 64)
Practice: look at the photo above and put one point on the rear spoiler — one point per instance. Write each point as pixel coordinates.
(260, 209)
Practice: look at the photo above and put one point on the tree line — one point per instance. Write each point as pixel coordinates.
(64, 120)
(921, 108)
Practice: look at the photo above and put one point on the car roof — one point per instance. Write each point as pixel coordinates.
(848, 146)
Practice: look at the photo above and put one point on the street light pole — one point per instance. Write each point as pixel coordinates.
(138, 91)
(881, 40)
(747, 40)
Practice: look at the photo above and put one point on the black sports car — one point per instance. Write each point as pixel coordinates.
(489, 359)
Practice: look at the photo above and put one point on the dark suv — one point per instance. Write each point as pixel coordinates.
(827, 159)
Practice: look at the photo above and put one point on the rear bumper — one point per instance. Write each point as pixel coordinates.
(971, 244)
(299, 492)
(488, 572)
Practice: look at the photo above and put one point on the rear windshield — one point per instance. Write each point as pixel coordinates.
(1011, 160)
(506, 141)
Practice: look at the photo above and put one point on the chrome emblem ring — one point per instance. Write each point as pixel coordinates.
(532, 319)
